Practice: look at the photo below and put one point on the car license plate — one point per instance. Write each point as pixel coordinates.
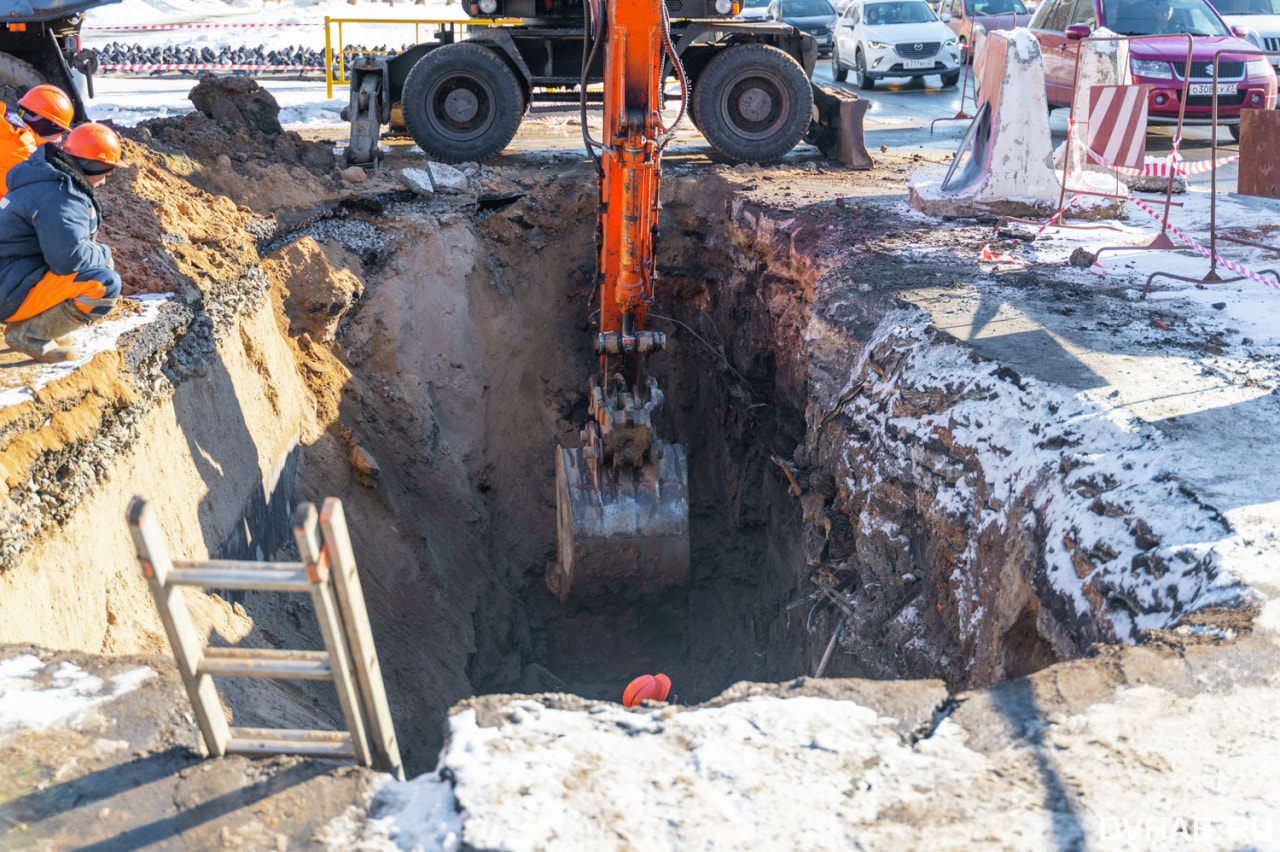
(918, 63)
(1207, 88)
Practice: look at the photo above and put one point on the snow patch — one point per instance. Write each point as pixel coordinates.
(33, 698)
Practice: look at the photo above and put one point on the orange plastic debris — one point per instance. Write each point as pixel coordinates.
(646, 688)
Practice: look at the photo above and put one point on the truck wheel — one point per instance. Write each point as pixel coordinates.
(16, 77)
(462, 103)
(753, 103)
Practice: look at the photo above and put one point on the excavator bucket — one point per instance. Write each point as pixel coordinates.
(625, 533)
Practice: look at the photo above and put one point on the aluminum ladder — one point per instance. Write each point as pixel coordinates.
(327, 573)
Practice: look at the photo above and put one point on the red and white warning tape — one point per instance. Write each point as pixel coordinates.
(195, 26)
(202, 67)
(1192, 244)
(1163, 167)
(998, 257)
(1062, 210)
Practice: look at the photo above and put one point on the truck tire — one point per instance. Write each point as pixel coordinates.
(16, 77)
(462, 104)
(753, 103)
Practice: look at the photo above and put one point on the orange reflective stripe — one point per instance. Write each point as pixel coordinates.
(52, 289)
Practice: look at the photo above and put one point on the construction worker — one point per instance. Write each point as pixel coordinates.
(44, 115)
(54, 276)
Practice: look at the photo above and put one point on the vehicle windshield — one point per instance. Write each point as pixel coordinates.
(998, 7)
(806, 8)
(1248, 7)
(899, 13)
(755, 4)
(1159, 17)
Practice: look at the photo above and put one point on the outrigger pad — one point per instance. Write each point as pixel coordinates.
(837, 131)
(630, 537)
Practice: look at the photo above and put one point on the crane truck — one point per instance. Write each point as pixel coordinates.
(747, 83)
(40, 43)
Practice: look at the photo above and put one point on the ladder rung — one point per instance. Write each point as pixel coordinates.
(236, 564)
(336, 744)
(266, 662)
(268, 579)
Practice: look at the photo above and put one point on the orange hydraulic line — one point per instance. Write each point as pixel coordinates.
(629, 184)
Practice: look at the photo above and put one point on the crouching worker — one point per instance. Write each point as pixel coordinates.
(54, 276)
(44, 115)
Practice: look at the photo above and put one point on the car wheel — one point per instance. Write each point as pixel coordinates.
(964, 51)
(864, 80)
(838, 72)
(949, 80)
(1235, 131)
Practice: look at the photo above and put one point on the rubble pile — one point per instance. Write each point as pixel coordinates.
(238, 119)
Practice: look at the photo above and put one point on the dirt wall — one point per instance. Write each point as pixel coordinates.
(201, 455)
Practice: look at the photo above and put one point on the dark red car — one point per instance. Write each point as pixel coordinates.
(1244, 82)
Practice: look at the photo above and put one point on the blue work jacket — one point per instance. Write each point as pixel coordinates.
(48, 222)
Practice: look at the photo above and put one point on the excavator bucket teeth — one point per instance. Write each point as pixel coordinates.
(630, 535)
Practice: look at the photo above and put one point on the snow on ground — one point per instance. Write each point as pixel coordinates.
(129, 100)
(34, 698)
(818, 774)
(21, 381)
(276, 24)
(304, 104)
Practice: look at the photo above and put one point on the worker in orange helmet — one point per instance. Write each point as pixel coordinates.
(54, 276)
(44, 115)
(648, 688)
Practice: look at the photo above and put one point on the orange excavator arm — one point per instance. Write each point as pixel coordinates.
(634, 53)
(622, 506)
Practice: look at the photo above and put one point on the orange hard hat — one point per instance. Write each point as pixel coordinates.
(94, 142)
(646, 687)
(49, 102)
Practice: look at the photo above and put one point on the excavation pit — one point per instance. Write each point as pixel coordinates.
(865, 479)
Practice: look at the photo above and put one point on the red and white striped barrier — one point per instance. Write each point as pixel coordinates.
(192, 27)
(1118, 123)
(203, 67)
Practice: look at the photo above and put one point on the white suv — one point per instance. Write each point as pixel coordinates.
(1261, 18)
(893, 38)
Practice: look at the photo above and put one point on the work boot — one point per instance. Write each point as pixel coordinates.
(44, 336)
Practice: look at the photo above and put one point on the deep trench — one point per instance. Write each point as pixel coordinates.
(457, 535)
(719, 376)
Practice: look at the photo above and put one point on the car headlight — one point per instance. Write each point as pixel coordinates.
(951, 42)
(1257, 67)
(488, 6)
(1151, 68)
(724, 7)
(875, 45)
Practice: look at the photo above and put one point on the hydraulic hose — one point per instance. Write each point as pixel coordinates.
(588, 58)
(669, 133)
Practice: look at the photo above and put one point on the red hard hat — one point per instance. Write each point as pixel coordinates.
(49, 102)
(94, 142)
(646, 687)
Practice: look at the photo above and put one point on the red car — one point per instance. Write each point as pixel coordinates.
(1244, 82)
(964, 16)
